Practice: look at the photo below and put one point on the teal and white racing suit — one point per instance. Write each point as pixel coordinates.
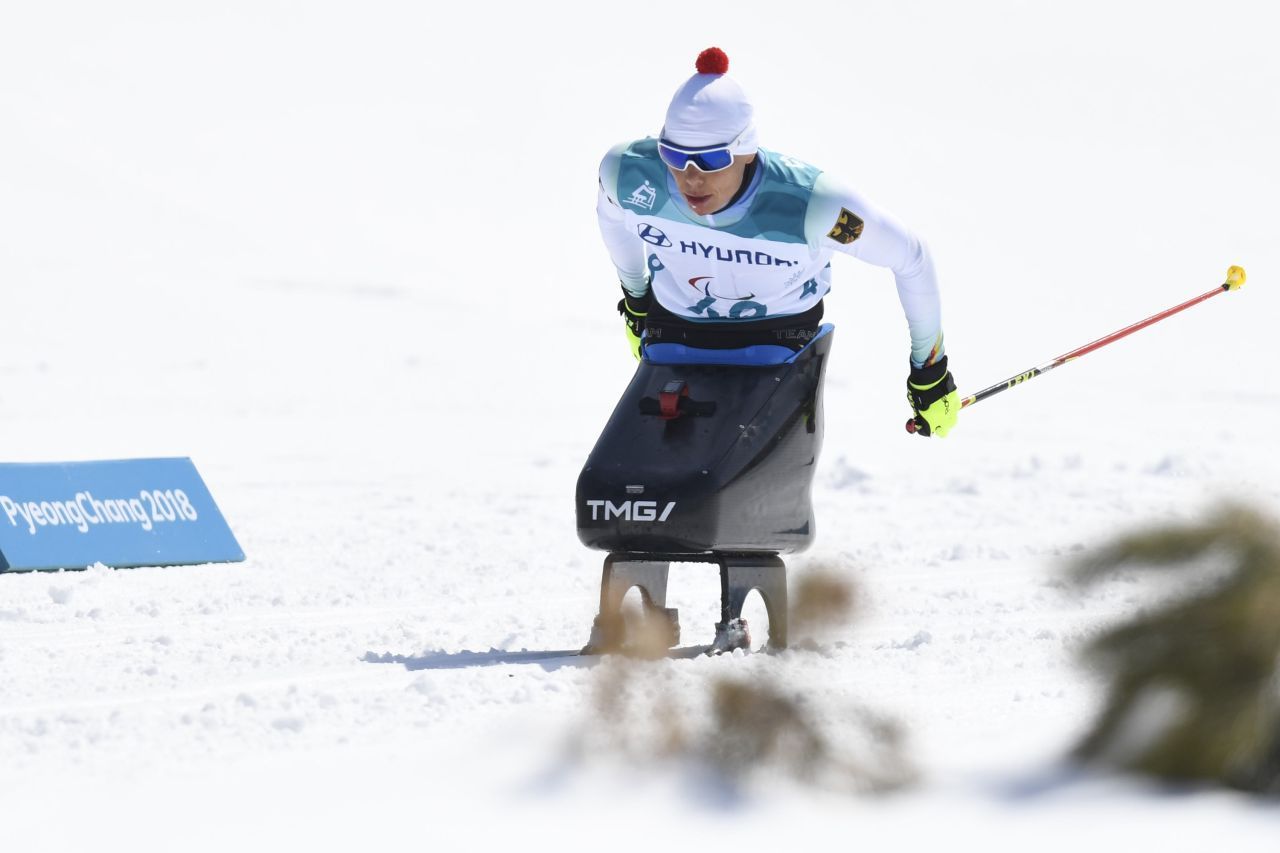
(766, 256)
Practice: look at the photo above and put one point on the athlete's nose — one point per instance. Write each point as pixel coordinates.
(693, 178)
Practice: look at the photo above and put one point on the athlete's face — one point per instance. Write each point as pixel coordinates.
(708, 192)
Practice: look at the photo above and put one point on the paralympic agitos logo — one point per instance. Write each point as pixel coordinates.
(706, 289)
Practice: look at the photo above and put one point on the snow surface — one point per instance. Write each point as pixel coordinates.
(345, 256)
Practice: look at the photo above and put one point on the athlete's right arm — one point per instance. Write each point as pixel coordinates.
(625, 248)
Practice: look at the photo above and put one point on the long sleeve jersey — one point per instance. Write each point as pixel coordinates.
(766, 255)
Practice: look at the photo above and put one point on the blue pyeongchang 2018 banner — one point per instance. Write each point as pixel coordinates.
(128, 512)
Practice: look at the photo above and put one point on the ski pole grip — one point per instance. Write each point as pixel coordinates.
(911, 425)
(1235, 279)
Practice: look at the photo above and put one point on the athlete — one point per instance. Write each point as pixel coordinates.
(719, 243)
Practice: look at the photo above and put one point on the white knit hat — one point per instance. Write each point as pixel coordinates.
(711, 109)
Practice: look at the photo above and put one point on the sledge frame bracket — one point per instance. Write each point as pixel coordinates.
(740, 574)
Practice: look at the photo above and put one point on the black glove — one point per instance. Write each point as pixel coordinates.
(634, 311)
(932, 394)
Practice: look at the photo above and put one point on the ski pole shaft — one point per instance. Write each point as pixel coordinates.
(1235, 280)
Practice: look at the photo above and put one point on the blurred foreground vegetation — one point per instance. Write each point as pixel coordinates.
(1193, 695)
(747, 726)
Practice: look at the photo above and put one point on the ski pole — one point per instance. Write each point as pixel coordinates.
(1235, 280)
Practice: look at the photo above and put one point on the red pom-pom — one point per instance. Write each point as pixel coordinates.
(713, 60)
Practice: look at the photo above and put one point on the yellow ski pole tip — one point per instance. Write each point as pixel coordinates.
(1235, 278)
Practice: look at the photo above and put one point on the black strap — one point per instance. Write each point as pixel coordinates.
(793, 331)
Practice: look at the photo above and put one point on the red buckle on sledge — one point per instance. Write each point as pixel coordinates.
(669, 399)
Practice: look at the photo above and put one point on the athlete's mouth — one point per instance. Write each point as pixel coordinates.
(695, 200)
